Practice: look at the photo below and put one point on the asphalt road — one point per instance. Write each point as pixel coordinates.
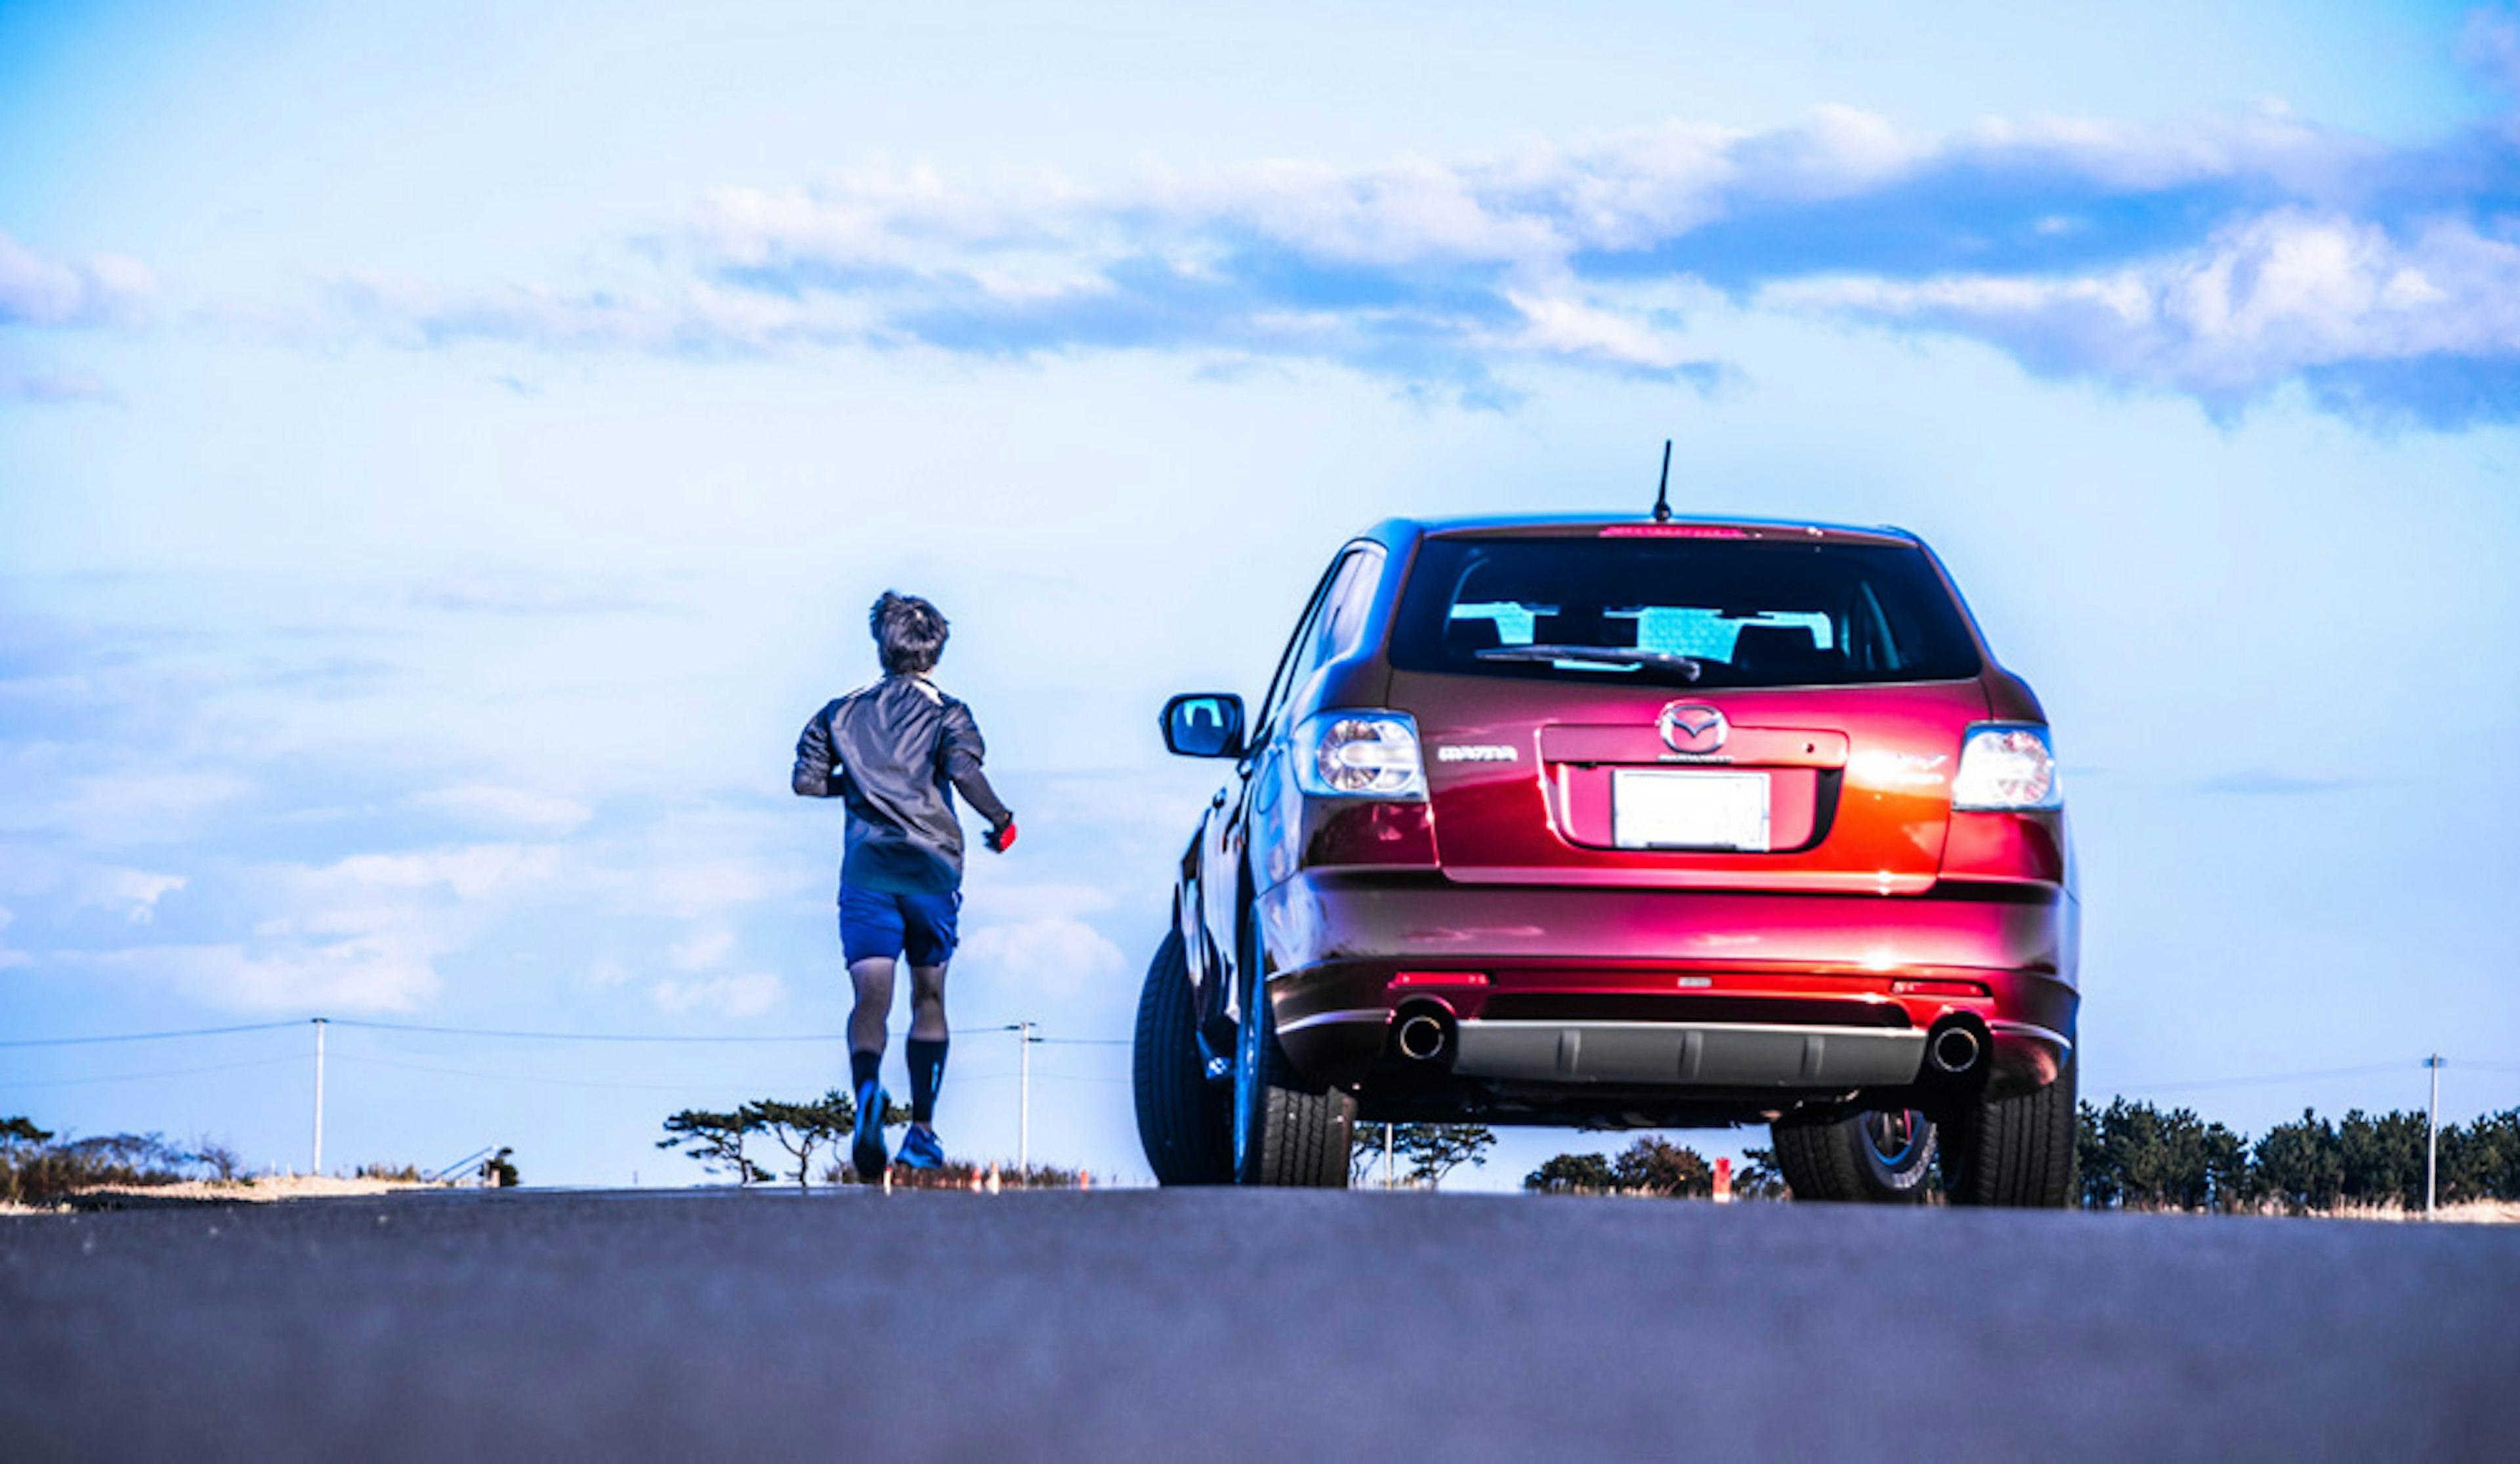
(1225, 1325)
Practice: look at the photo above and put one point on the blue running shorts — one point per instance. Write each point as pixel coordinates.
(883, 925)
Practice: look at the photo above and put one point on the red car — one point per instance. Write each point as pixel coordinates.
(1626, 823)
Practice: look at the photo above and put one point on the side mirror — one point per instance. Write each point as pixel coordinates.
(1204, 724)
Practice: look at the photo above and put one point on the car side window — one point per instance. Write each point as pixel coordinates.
(1351, 595)
(1298, 658)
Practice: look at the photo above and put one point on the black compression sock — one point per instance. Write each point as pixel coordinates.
(864, 1068)
(926, 1074)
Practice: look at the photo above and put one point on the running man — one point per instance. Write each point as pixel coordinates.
(896, 752)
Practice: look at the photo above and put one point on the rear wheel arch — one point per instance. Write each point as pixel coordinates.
(1285, 1131)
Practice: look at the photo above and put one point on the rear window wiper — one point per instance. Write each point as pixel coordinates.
(1689, 667)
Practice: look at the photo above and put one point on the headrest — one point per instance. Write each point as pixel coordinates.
(1578, 626)
(1779, 651)
(1470, 635)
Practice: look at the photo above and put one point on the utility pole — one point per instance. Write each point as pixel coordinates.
(319, 1025)
(1387, 1156)
(1023, 1114)
(2431, 1134)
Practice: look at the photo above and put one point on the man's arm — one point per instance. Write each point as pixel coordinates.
(812, 778)
(963, 751)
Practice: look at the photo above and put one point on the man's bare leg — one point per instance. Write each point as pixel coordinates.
(866, 1020)
(926, 1046)
(873, 978)
(927, 1003)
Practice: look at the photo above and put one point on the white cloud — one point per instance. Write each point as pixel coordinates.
(605, 974)
(703, 866)
(325, 892)
(1533, 209)
(732, 996)
(1015, 899)
(1560, 325)
(1438, 272)
(702, 952)
(2489, 42)
(1056, 956)
(361, 934)
(133, 894)
(9, 958)
(870, 218)
(2262, 299)
(145, 807)
(36, 290)
(55, 387)
(523, 810)
(377, 972)
(1413, 212)
(678, 317)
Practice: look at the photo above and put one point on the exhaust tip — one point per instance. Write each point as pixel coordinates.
(1422, 1036)
(1955, 1049)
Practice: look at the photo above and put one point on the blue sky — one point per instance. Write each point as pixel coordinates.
(444, 457)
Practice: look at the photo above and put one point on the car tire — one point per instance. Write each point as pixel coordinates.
(1183, 1118)
(1286, 1133)
(1867, 1158)
(2016, 1152)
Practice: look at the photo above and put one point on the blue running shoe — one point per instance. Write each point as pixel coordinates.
(919, 1150)
(866, 1151)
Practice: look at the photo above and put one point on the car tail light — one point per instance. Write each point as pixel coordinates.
(2006, 765)
(1359, 755)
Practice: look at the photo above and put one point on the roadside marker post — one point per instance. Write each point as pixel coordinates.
(320, 1024)
(2431, 1134)
(1023, 1102)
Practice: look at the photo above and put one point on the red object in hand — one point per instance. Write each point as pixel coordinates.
(1003, 839)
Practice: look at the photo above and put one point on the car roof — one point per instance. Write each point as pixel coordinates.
(1641, 525)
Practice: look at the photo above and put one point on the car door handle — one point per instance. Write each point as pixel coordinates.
(1218, 801)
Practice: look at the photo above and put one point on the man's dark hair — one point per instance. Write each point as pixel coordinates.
(909, 634)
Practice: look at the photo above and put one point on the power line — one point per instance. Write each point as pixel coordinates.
(147, 1037)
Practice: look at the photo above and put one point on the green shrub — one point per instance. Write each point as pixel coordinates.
(38, 1167)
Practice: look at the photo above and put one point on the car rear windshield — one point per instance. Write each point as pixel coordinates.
(1681, 612)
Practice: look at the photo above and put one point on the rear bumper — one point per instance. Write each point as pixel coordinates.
(1680, 989)
(1691, 1053)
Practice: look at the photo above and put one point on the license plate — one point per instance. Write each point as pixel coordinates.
(1667, 809)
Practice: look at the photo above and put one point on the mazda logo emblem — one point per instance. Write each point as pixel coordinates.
(1693, 727)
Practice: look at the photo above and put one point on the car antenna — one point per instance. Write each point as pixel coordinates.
(1662, 494)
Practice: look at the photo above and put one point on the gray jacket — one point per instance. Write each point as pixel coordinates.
(896, 751)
